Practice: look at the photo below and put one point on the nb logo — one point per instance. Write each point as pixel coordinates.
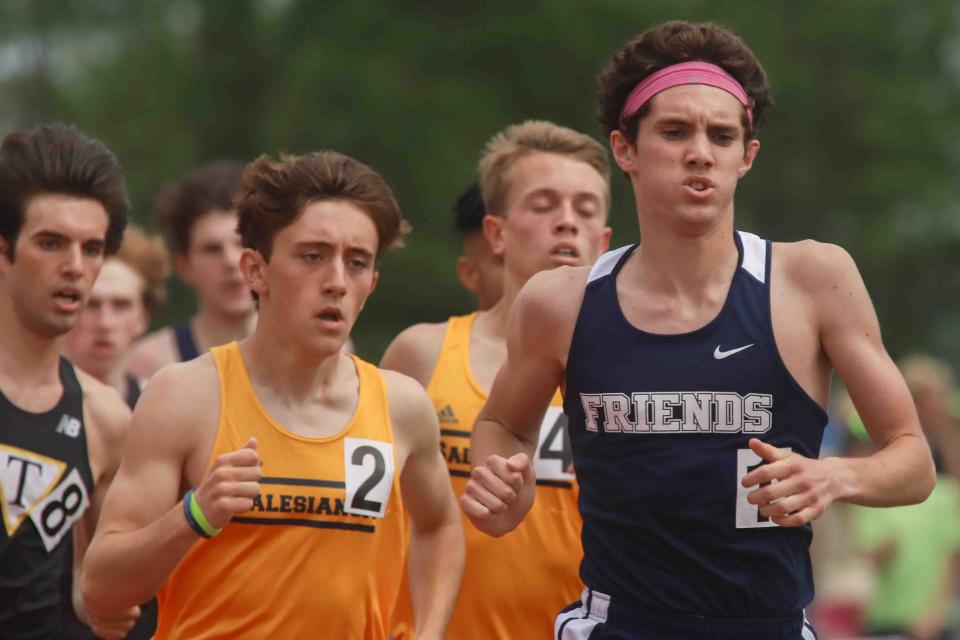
(69, 426)
(720, 355)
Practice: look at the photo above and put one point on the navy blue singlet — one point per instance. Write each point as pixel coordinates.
(659, 426)
(186, 345)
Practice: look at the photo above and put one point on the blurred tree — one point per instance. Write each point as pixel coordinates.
(860, 149)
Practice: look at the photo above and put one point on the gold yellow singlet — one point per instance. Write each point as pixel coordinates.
(513, 586)
(320, 554)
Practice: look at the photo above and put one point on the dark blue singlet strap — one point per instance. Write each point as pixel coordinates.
(185, 343)
(133, 391)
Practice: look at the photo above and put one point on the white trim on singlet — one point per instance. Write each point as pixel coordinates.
(578, 629)
(807, 633)
(754, 255)
(604, 266)
(754, 258)
(579, 623)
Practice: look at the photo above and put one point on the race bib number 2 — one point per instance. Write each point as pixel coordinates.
(368, 468)
(748, 515)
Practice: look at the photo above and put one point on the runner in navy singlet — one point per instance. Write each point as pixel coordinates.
(695, 366)
(63, 207)
(197, 218)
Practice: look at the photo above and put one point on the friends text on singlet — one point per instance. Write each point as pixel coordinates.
(47, 482)
(660, 426)
(512, 586)
(321, 551)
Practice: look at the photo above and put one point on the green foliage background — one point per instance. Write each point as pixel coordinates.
(861, 148)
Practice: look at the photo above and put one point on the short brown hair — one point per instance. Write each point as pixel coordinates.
(179, 205)
(57, 158)
(148, 256)
(671, 43)
(274, 194)
(516, 141)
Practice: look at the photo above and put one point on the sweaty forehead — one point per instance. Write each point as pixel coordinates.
(80, 218)
(696, 101)
(541, 171)
(332, 222)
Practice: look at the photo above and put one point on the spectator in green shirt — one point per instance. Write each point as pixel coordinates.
(916, 548)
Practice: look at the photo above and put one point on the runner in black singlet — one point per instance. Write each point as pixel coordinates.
(63, 207)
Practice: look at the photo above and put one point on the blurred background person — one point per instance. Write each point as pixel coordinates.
(916, 549)
(130, 288)
(932, 384)
(479, 268)
(546, 189)
(843, 573)
(198, 219)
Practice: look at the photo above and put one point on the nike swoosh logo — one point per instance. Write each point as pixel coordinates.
(720, 355)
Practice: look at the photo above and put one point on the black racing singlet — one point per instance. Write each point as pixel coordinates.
(186, 345)
(132, 393)
(46, 480)
(73, 629)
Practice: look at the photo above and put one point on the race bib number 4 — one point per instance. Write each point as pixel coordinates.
(554, 453)
(368, 466)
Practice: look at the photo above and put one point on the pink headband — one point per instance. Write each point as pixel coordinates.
(696, 72)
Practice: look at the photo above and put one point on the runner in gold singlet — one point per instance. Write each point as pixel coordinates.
(301, 493)
(297, 451)
(546, 188)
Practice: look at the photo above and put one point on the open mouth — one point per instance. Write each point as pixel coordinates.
(565, 252)
(67, 297)
(330, 314)
(699, 184)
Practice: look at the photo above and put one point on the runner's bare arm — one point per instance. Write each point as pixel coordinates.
(415, 350)
(143, 533)
(502, 484)
(436, 541)
(108, 422)
(901, 470)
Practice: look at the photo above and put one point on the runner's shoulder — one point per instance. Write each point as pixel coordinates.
(182, 392)
(415, 350)
(411, 410)
(107, 412)
(556, 293)
(813, 266)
